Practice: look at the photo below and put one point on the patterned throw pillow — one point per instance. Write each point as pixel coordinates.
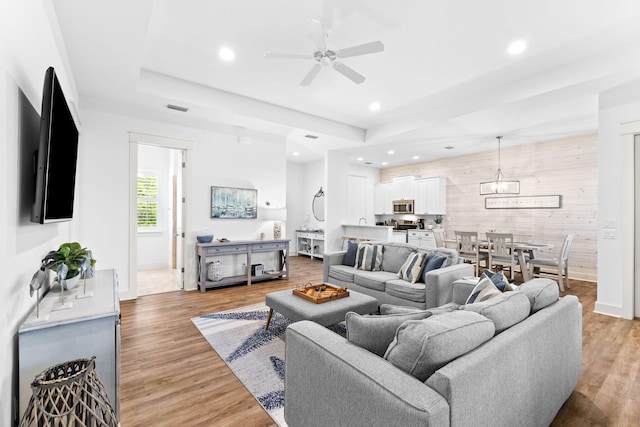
(484, 290)
(369, 257)
(412, 267)
(498, 279)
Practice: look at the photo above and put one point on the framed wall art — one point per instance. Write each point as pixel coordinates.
(234, 203)
(524, 202)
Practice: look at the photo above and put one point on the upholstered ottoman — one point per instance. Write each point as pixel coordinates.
(331, 312)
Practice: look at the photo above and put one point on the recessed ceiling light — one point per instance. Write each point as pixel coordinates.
(227, 54)
(416, 157)
(391, 152)
(517, 47)
(384, 163)
(360, 159)
(374, 106)
(295, 153)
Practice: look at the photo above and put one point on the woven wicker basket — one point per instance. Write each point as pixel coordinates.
(69, 394)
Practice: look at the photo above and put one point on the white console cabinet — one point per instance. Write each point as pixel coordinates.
(91, 327)
(310, 243)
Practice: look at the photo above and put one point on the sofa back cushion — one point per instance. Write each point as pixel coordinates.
(505, 311)
(369, 257)
(421, 347)
(375, 332)
(541, 293)
(395, 254)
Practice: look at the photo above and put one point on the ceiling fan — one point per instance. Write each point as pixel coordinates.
(325, 56)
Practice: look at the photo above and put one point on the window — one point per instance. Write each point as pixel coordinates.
(147, 202)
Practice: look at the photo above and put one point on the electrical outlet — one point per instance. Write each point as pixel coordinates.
(610, 234)
(609, 223)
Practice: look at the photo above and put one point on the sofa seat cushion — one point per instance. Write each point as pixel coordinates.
(342, 272)
(406, 290)
(505, 311)
(375, 332)
(395, 255)
(373, 279)
(421, 347)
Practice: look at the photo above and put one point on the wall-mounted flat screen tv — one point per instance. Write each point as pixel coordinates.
(56, 156)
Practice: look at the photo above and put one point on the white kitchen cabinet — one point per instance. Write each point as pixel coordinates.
(403, 188)
(422, 238)
(430, 196)
(382, 199)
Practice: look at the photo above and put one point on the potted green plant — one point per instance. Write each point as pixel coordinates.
(438, 220)
(69, 262)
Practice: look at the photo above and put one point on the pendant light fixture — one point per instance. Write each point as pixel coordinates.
(499, 185)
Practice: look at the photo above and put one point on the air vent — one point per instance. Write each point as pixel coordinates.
(449, 147)
(368, 163)
(177, 108)
(311, 136)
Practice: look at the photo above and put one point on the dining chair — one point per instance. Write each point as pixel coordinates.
(502, 252)
(537, 266)
(439, 235)
(469, 249)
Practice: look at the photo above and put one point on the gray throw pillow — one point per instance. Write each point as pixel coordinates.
(375, 332)
(421, 347)
(541, 293)
(349, 258)
(505, 311)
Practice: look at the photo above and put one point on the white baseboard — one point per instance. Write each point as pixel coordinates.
(608, 310)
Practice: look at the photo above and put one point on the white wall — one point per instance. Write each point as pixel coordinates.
(615, 201)
(27, 47)
(218, 160)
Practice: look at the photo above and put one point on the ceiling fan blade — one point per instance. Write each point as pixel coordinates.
(363, 49)
(311, 75)
(348, 72)
(317, 34)
(287, 56)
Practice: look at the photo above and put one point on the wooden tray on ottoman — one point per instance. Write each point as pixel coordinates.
(324, 293)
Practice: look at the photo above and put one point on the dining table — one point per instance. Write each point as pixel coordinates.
(522, 249)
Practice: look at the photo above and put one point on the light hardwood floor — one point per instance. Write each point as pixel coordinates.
(170, 376)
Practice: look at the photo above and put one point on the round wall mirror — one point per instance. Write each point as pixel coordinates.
(317, 205)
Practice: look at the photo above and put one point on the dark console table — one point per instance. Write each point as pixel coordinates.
(246, 247)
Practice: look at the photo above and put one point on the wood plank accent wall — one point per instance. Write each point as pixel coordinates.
(566, 166)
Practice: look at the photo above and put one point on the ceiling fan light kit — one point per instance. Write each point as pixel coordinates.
(325, 56)
(499, 185)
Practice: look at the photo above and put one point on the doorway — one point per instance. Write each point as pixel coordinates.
(158, 195)
(159, 219)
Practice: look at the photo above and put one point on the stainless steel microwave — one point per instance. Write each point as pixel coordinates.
(403, 206)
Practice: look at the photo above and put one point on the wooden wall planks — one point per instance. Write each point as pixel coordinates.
(566, 166)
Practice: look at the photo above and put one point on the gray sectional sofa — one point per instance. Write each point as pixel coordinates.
(432, 290)
(518, 376)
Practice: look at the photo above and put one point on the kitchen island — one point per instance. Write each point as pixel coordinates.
(379, 233)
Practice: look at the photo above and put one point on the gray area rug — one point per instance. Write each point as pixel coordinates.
(254, 355)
